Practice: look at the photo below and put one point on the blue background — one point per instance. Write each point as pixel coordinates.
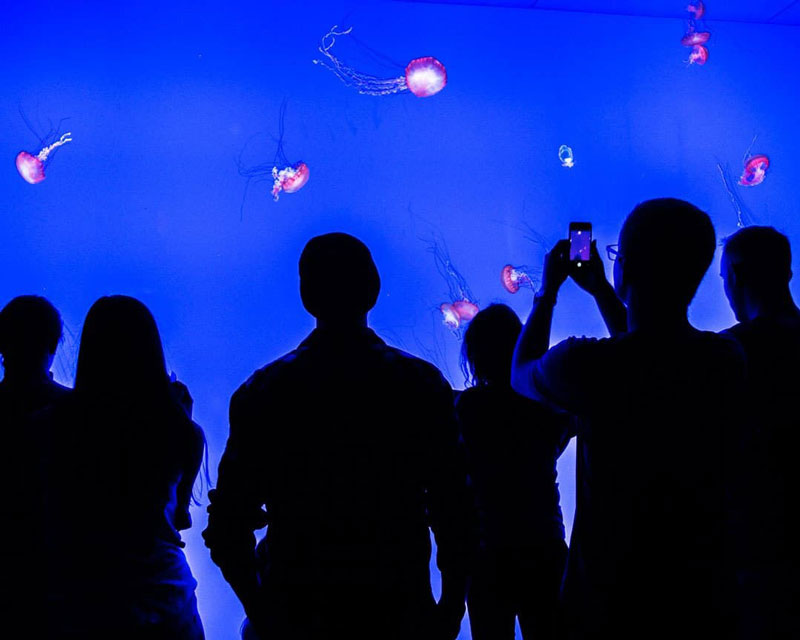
(163, 97)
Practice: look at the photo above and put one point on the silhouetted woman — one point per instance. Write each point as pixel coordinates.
(512, 446)
(123, 456)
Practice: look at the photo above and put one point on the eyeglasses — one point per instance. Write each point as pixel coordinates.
(613, 251)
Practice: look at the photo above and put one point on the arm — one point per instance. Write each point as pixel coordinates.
(534, 340)
(183, 519)
(449, 507)
(235, 509)
(592, 279)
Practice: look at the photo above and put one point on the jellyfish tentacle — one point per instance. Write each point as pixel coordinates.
(64, 139)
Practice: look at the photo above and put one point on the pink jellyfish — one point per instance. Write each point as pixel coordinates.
(462, 306)
(698, 10)
(755, 170)
(466, 310)
(31, 167)
(450, 316)
(513, 278)
(693, 38)
(423, 77)
(699, 55)
(286, 176)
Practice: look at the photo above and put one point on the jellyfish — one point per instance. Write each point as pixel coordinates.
(755, 170)
(31, 167)
(423, 77)
(699, 55)
(462, 306)
(513, 278)
(693, 38)
(744, 217)
(698, 10)
(286, 176)
(566, 157)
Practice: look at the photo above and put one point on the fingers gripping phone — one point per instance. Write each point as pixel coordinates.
(580, 242)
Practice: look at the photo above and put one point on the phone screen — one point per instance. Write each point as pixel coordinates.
(580, 241)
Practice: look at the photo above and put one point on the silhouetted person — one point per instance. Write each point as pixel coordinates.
(122, 458)
(30, 330)
(756, 268)
(352, 447)
(659, 411)
(512, 445)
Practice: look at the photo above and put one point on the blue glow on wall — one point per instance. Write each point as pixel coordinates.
(162, 98)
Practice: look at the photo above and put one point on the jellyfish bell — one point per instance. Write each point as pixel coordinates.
(699, 55)
(465, 309)
(289, 179)
(450, 316)
(425, 76)
(31, 168)
(512, 278)
(566, 157)
(755, 170)
(694, 38)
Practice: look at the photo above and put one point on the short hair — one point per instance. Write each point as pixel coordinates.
(488, 346)
(30, 326)
(761, 257)
(338, 277)
(667, 246)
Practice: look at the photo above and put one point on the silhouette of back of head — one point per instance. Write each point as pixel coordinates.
(339, 282)
(30, 330)
(761, 258)
(489, 345)
(121, 356)
(666, 247)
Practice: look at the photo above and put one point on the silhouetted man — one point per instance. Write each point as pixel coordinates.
(30, 330)
(656, 406)
(352, 447)
(756, 269)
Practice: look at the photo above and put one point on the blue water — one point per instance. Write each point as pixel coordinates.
(163, 97)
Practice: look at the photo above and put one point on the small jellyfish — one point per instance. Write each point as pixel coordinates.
(423, 77)
(462, 306)
(755, 170)
(693, 38)
(698, 55)
(698, 10)
(286, 176)
(513, 278)
(566, 157)
(31, 167)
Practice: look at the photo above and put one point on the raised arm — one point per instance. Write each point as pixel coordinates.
(534, 340)
(591, 277)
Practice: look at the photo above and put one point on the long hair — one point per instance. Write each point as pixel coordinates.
(488, 346)
(121, 365)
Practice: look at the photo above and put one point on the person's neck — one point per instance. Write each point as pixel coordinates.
(342, 324)
(776, 306)
(652, 317)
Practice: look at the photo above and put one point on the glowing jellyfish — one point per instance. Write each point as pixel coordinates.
(698, 10)
(744, 216)
(566, 157)
(699, 55)
(693, 38)
(31, 167)
(755, 170)
(513, 278)
(462, 306)
(285, 176)
(423, 77)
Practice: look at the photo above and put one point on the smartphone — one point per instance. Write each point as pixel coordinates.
(580, 242)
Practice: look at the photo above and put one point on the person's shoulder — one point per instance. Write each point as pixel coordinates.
(411, 364)
(265, 378)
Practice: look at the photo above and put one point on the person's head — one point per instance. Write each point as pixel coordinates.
(756, 269)
(120, 354)
(489, 346)
(665, 248)
(30, 330)
(339, 282)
